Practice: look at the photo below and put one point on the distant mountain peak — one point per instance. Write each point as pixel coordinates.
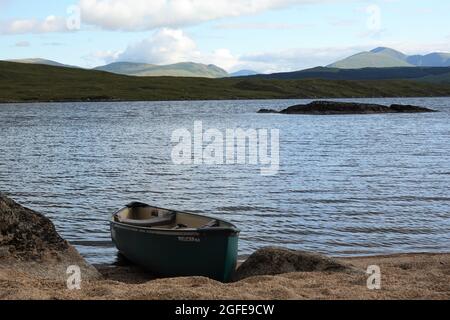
(41, 61)
(180, 69)
(390, 52)
(384, 49)
(380, 59)
(384, 57)
(243, 73)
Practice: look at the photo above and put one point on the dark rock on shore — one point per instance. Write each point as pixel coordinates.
(274, 260)
(30, 243)
(333, 108)
(409, 108)
(267, 111)
(27, 234)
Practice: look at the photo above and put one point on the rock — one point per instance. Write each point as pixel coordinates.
(409, 108)
(30, 243)
(273, 261)
(333, 108)
(4, 252)
(267, 111)
(27, 231)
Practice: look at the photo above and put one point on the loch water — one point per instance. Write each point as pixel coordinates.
(347, 184)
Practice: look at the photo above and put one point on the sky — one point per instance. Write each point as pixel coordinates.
(261, 35)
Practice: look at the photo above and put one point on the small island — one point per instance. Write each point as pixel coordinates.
(334, 108)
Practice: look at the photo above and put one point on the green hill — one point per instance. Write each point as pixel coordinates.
(127, 68)
(42, 61)
(398, 73)
(436, 59)
(440, 78)
(184, 69)
(390, 52)
(383, 57)
(370, 60)
(33, 82)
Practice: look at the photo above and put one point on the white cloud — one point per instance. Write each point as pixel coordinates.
(49, 24)
(141, 15)
(165, 46)
(100, 57)
(223, 58)
(134, 15)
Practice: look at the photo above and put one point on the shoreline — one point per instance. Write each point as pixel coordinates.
(35, 259)
(216, 99)
(403, 276)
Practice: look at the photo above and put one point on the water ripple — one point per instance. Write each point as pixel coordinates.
(353, 185)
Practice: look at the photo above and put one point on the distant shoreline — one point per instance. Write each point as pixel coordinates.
(24, 83)
(218, 99)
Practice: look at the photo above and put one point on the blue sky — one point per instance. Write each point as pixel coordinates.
(265, 35)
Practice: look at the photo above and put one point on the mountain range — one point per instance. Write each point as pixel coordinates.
(378, 64)
(383, 57)
(428, 74)
(183, 69)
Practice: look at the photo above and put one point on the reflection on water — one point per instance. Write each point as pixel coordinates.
(347, 185)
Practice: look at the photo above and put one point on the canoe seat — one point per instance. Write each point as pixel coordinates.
(180, 226)
(152, 222)
(211, 224)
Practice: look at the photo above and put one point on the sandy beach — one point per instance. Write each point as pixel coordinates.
(405, 276)
(34, 260)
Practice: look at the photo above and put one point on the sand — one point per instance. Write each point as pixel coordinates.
(405, 276)
(34, 259)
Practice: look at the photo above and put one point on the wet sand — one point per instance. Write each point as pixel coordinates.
(405, 276)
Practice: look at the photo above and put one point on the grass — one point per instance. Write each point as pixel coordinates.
(398, 73)
(33, 83)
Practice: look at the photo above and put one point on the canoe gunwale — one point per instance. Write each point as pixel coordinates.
(230, 231)
(182, 232)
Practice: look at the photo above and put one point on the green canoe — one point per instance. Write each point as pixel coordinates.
(173, 243)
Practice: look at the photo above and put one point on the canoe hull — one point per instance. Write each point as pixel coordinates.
(179, 253)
